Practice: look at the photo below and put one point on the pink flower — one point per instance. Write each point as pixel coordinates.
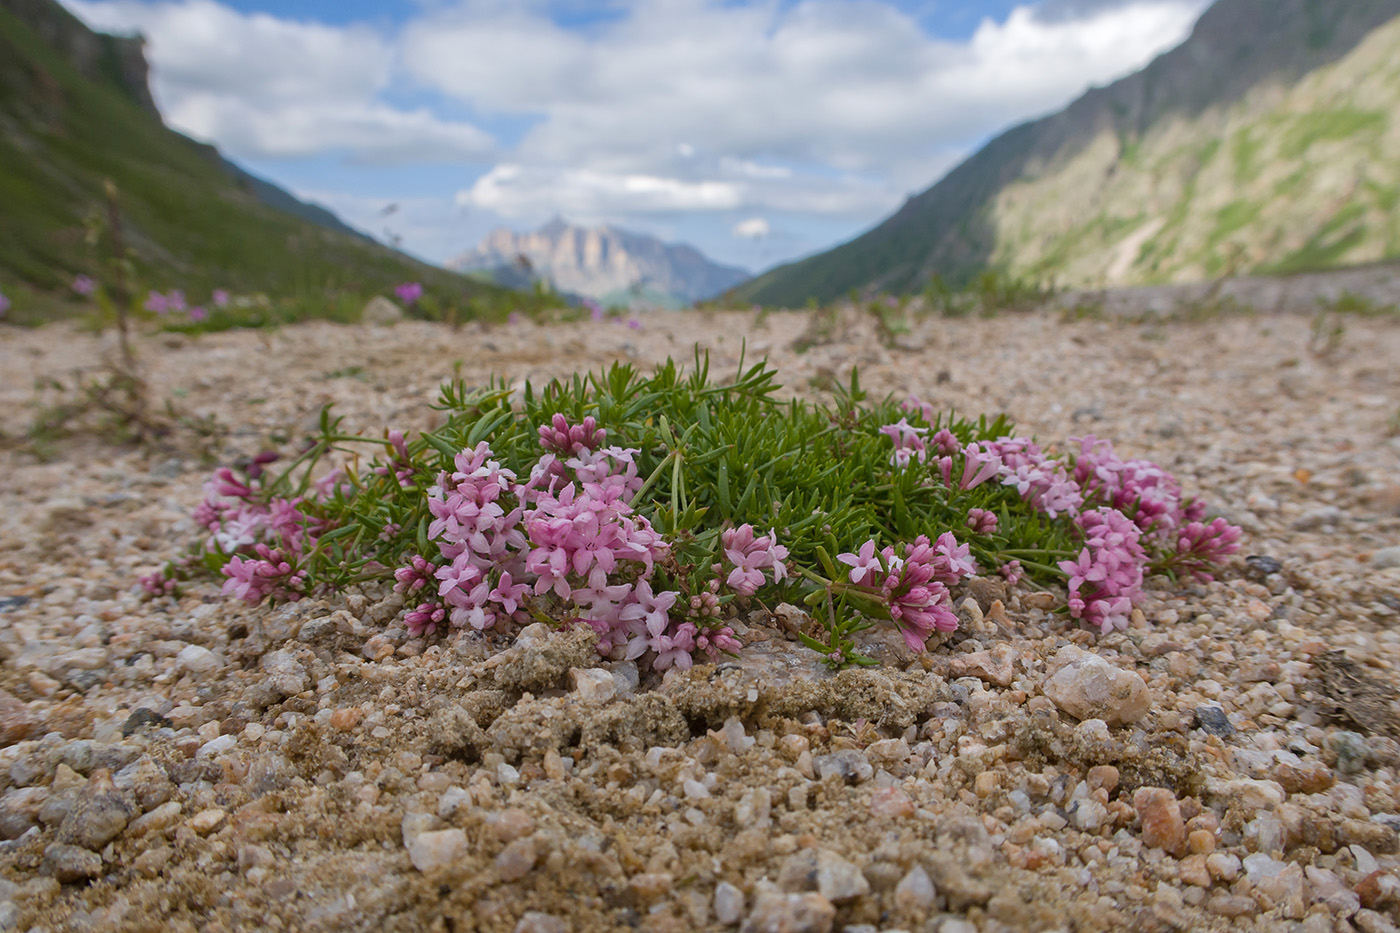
(750, 556)
(650, 609)
(982, 522)
(409, 292)
(865, 565)
(84, 285)
(219, 298)
(197, 313)
(425, 619)
(157, 303)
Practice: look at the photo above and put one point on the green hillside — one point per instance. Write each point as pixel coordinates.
(1264, 143)
(74, 110)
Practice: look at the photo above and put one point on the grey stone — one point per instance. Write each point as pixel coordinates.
(1213, 720)
(69, 863)
(849, 764)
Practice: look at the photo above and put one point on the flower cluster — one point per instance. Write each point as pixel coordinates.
(913, 586)
(163, 303)
(1106, 579)
(266, 541)
(908, 444)
(409, 292)
(1041, 480)
(979, 464)
(750, 557)
(568, 534)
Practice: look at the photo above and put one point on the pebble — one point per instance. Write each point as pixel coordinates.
(728, 904)
(512, 824)
(776, 912)
(594, 684)
(649, 886)
(1213, 720)
(162, 817)
(206, 821)
(991, 666)
(534, 921)
(516, 860)
(1385, 558)
(17, 723)
(1223, 866)
(1088, 687)
(69, 863)
(436, 849)
(1160, 814)
(837, 879)
(891, 803)
(915, 892)
(1328, 889)
(99, 816)
(196, 659)
(848, 764)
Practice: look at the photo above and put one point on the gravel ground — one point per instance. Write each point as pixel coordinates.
(1229, 762)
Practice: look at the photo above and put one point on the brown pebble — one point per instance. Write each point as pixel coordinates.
(346, 719)
(513, 824)
(1103, 776)
(1200, 842)
(1193, 871)
(1160, 815)
(891, 803)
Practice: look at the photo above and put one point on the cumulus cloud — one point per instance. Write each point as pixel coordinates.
(832, 110)
(849, 85)
(755, 228)
(260, 86)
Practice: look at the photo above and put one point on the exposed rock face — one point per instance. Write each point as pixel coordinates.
(602, 263)
(1249, 147)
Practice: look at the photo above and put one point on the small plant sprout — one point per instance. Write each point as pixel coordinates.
(656, 510)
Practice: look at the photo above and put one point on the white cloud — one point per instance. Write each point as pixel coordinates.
(832, 110)
(755, 228)
(260, 86)
(844, 85)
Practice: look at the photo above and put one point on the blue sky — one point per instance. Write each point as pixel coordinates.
(758, 130)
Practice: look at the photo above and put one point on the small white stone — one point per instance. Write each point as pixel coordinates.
(694, 790)
(729, 904)
(594, 684)
(915, 891)
(196, 659)
(837, 879)
(433, 850)
(451, 799)
(216, 746)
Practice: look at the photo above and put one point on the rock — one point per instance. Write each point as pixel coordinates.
(1379, 890)
(799, 871)
(1261, 565)
(1213, 720)
(143, 719)
(516, 860)
(891, 803)
(1194, 871)
(1385, 558)
(775, 912)
(991, 666)
(99, 816)
(17, 723)
(162, 817)
(1160, 815)
(849, 764)
(647, 887)
(837, 879)
(1223, 866)
(1313, 778)
(535, 921)
(436, 849)
(381, 311)
(69, 863)
(594, 684)
(729, 904)
(1369, 921)
(512, 824)
(1088, 687)
(19, 810)
(1328, 889)
(1352, 751)
(197, 660)
(206, 821)
(915, 892)
(1259, 866)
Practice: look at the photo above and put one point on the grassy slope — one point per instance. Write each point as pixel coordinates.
(1062, 197)
(190, 222)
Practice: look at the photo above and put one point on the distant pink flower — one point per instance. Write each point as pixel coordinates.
(409, 292)
(175, 300)
(157, 303)
(84, 285)
(4, 304)
(219, 298)
(197, 313)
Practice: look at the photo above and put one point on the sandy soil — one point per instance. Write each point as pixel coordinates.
(200, 765)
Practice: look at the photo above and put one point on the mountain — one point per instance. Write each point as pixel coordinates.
(611, 266)
(75, 110)
(1264, 143)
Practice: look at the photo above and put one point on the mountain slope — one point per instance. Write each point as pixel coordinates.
(603, 263)
(75, 110)
(1258, 144)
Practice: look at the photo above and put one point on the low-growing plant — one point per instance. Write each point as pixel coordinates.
(648, 507)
